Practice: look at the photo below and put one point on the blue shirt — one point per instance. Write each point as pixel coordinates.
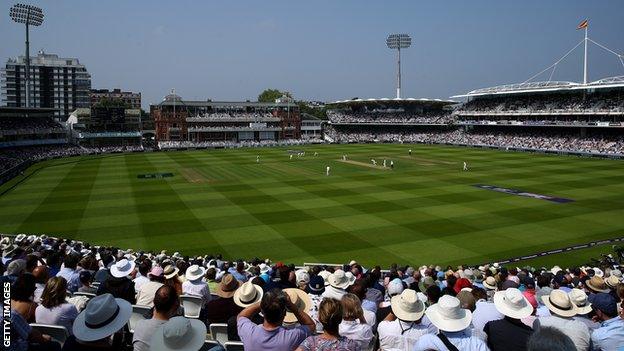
(73, 278)
(240, 277)
(20, 330)
(610, 335)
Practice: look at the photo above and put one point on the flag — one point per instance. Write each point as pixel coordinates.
(583, 25)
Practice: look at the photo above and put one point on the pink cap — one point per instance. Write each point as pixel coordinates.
(156, 271)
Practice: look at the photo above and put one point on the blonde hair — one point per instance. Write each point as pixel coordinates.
(351, 307)
(54, 292)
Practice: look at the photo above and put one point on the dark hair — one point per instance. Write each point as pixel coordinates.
(31, 262)
(23, 288)
(543, 280)
(450, 281)
(273, 306)
(433, 293)
(165, 299)
(549, 339)
(71, 261)
(358, 289)
(479, 293)
(144, 268)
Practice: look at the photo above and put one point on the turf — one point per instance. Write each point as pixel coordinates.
(221, 201)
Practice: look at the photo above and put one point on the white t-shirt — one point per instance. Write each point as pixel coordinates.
(145, 295)
(400, 335)
(356, 331)
(63, 315)
(576, 330)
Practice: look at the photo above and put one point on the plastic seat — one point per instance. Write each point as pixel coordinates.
(139, 313)
(234, 346)
(192, 305)
(57, 332)
(218, 331)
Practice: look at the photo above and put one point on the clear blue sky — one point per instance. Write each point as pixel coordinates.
(318, 50)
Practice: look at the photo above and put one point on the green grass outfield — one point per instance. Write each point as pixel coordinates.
(221, 201)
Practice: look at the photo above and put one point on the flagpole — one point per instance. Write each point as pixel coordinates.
(585, 60)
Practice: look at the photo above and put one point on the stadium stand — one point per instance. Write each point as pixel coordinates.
(346, 307)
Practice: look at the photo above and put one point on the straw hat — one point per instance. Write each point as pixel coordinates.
(194, 272)
(179, 334)
(338, 279)
(447, 315)
(171, 271)
(612, 282)
(300, 299)
(425, 283)
(512, 303)
(103, 316)
(559, 303)
(490, 283)
(227, 286)
(407, 306)
(598, 272)
(20, 237)
(579, 298)
(247, 294)
(597, 284)
(122, 268)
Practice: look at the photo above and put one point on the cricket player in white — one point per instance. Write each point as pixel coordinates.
(258, 159)
(316, 154)
(410, 152)
(327, 171)
(374, 162)
(465, 166)
(291, 156)
(391, 164)
(384, 163)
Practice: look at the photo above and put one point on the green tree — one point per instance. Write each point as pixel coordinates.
(111, 102)
(270, 95)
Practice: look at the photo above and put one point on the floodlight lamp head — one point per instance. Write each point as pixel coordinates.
(398, 41)
(26, 14)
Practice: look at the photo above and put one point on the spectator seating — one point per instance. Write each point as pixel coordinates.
(192, 305)
(57, 332)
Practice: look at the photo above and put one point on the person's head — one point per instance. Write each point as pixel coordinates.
(273, 307)
(211, 273)
(240, 266)
(479, 293)
(31, 262)
(145, 267)
(358, 289)
(41, 274)
(85, 278)
(330, 315)
(54, 292)
(619, 290)
(543, 280)
(71, 261)
(16, 267)
(604, 305)
(23, 288)
(166, 300)
(549, 339)
(433, 294)
(351, 307)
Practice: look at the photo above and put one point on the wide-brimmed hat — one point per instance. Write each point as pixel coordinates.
(478, 276)
(555, 270)
(171, 271)
(103, 316)
(179, 334)
(194, 272)
(122, 268)
(302, 276)
(264, 268)
(597, 284)
(156, 271)
(407, 306)
(338, 279)
(612, 282)
(617, 273)
(300, 299)
(325, 275)
(247, 294)
(559, 303)
(351, 278)
(425, 283)
(598, 272)
(227, 286)
(579, 298)
(20, 237)
(447, 315)
(490, 283)
(512, 303)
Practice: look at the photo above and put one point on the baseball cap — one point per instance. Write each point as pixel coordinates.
(605, 303)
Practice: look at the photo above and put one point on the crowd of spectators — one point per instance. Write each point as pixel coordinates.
(30, 125)
(90, 291)
(235, 116)
(605, 144)
(546, 103)
(382, 117)
(233, 144)
(11, 157)
(594, 121)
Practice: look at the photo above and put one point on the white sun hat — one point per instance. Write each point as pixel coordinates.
(325, 275)
(447, 315)
(179, 334)
(103, 316)
(579, 298)
(247, 294)
(559, 303)
(598, 272)
(351, 278)
(194, 272)
(338, 279)
(302, 276)
(512, 303)
(264, 268)
(407, 306)
(122, 268)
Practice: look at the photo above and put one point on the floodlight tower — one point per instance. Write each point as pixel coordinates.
(398, 42)
(30, 16)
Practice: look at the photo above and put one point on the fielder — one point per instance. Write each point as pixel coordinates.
(327, 171)
(374, 162)
(465, 166)
(410, 152)
(384, 163)
(391, 164)
(258, 159)
(315, 154)
(291, 156)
